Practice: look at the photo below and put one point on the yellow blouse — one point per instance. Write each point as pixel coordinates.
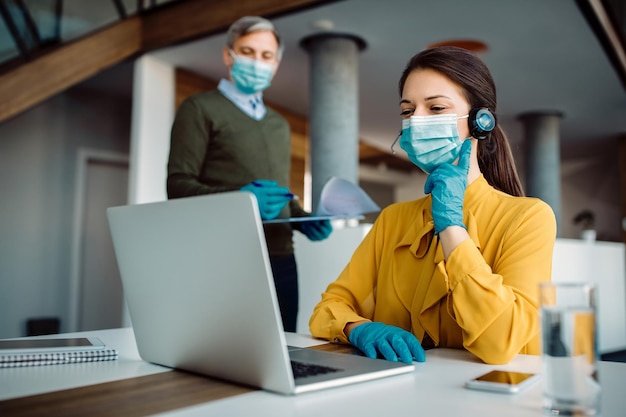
(483, 299)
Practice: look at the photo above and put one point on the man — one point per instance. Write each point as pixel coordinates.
(227, 140)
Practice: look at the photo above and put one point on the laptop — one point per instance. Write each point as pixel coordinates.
(201, 297)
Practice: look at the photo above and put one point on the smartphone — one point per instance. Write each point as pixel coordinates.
(27, 346)
(508, 382)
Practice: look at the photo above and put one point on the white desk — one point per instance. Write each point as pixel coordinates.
(434, 389)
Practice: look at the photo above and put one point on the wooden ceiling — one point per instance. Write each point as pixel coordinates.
(61, 67)
(65, 65)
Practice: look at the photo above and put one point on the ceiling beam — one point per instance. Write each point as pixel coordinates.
(181, 22)
(608, 29)
(35, 81)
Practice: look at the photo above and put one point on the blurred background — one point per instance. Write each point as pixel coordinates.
(80, 81)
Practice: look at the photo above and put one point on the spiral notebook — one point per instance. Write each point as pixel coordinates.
(53, 351)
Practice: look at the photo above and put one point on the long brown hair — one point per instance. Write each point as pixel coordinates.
(468, 71)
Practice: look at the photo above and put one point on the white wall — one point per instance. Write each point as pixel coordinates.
(152, 117)
(38, 151)
(602, 263)
(320, 263)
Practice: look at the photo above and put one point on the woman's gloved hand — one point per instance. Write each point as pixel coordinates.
(316, 229)
(392, 342)
(270, 196)
(446, 184)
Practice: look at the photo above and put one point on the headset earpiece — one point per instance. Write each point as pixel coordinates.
(481, 122)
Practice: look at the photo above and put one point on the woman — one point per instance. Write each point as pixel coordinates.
(459, 268)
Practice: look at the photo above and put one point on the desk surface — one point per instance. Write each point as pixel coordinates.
(435, 388)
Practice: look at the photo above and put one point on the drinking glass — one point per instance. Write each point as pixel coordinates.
(569, 349)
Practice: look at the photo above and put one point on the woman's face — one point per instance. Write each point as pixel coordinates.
(427, 92)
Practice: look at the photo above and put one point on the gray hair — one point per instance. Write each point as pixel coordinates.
(249, 24)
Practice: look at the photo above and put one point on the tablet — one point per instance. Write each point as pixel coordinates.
(67, 344)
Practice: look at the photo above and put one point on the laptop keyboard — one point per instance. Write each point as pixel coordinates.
(302, 370)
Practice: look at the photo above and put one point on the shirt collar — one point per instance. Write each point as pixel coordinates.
(419, 237)
(250, 104)
(476, 191)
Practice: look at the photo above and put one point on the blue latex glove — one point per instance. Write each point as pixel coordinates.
(446, 184)
(392, 342)
(270, 196)
(316, 229)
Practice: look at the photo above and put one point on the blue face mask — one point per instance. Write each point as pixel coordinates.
(249, 75)
(430, 141)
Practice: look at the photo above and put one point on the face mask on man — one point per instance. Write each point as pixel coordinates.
(249, 75)
(430, 141)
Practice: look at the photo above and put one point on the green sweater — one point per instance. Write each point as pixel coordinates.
(215, 147)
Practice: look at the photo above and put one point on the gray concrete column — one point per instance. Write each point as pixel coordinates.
(543, 158)
(334, 108)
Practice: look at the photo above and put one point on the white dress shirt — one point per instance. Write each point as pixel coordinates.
(250, 104)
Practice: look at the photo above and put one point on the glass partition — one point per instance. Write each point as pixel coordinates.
(29, 27)
(8, 48)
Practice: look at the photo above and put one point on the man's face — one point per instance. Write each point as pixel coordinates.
(260, 45)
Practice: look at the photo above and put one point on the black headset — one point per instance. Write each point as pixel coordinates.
(481, 122)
